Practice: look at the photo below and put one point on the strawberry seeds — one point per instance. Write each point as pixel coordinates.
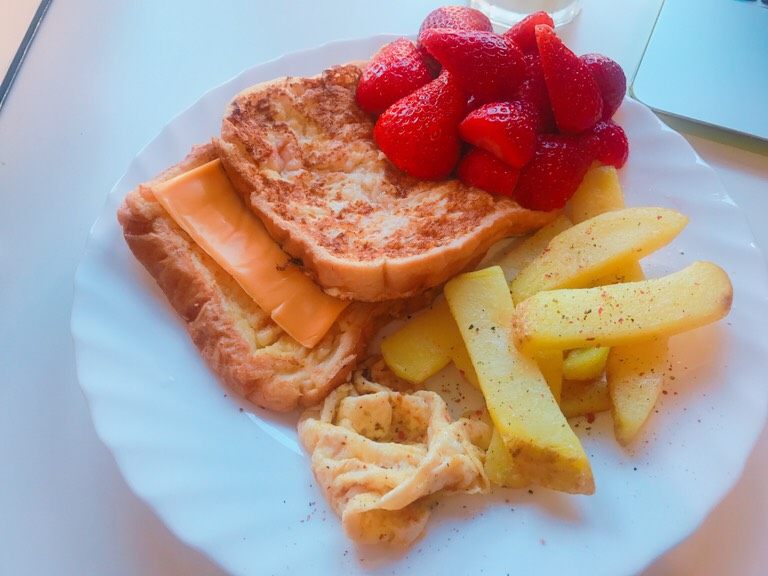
(532, 114)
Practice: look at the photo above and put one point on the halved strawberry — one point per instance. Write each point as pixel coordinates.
(533, 91)
(574, 94)
(505, 129)
(455, 18)
(488, 67)
(608, 143)
(420, 133)
(395, 71)
(482, 170)
(610, 79)
(549, 180)
(524, 32)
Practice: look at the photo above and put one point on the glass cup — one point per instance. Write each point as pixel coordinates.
(505, 13)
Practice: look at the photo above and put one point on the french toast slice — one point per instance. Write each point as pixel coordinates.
(302, 155)
(239, 341)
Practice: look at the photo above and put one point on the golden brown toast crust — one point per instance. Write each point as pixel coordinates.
(235, 337)
(302, 154)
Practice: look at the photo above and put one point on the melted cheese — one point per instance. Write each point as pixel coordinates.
(203, 202)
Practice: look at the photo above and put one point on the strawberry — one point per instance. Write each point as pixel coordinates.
(487, 66)
(573, 93)
(610, 79)
(608, 143)
(554, 173)
(419, 133)
(533, 91)
(505, 129)
(455, 18)
(482, 170)
(432, 65)
(524, 32)
(395, 71)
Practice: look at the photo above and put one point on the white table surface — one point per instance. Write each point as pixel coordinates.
(100, 80)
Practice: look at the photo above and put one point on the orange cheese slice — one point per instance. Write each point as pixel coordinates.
(203, 202)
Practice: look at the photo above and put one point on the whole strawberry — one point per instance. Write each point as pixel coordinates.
(524, 32)
(488, 67)
(420, 133)
(505, 129)
(549, 180)
(575, 96)
(455, 18)
(610, 79)
(533, 91)
(482, 170)
(608, 143)
(395, 71)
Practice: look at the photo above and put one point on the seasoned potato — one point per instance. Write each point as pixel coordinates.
(580, 255)
(463, 362)
(500, 467)
(627, 272)
(550, 363)
(599, 192)
(522, 254)
(426, 344)
(422, 346)
(623, 314)
(519, 400)
(635, 376)
(582, 398)
(585, 363)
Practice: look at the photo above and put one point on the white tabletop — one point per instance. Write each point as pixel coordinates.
(100, 80)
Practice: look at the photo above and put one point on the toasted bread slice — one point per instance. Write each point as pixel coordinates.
(236, 338)
(302, 154)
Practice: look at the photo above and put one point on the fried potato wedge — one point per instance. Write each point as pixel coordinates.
(500, 466)
(422, 346)
(582, 398)
(626, 272)
(585, 363)
(623, 314)
(426, 344)
(463, 362)
(523, 253)
(635, 375)
(580, 255)
(520, 403)
(599, 192)
(550, 363)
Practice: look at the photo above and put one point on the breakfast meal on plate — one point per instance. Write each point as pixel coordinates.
(329, 206)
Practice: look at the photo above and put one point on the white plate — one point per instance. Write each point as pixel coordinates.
(236, 485)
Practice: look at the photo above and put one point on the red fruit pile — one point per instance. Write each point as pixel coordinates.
(535, 114)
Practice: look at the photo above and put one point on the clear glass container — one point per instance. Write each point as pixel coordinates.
(505, 13)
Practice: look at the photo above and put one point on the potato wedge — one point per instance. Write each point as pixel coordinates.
(582, 398)
(500, 466)
(519, 401)
(522, 254)
(426, 344)
(585, 363)
(626, 272)
(550, 363)
(580, 255)
(422, 347)
(599, 192)
(623, 314)
(635, 373)
(463, 362)
(635, 377)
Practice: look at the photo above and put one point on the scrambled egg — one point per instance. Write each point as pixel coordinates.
(377, 454)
